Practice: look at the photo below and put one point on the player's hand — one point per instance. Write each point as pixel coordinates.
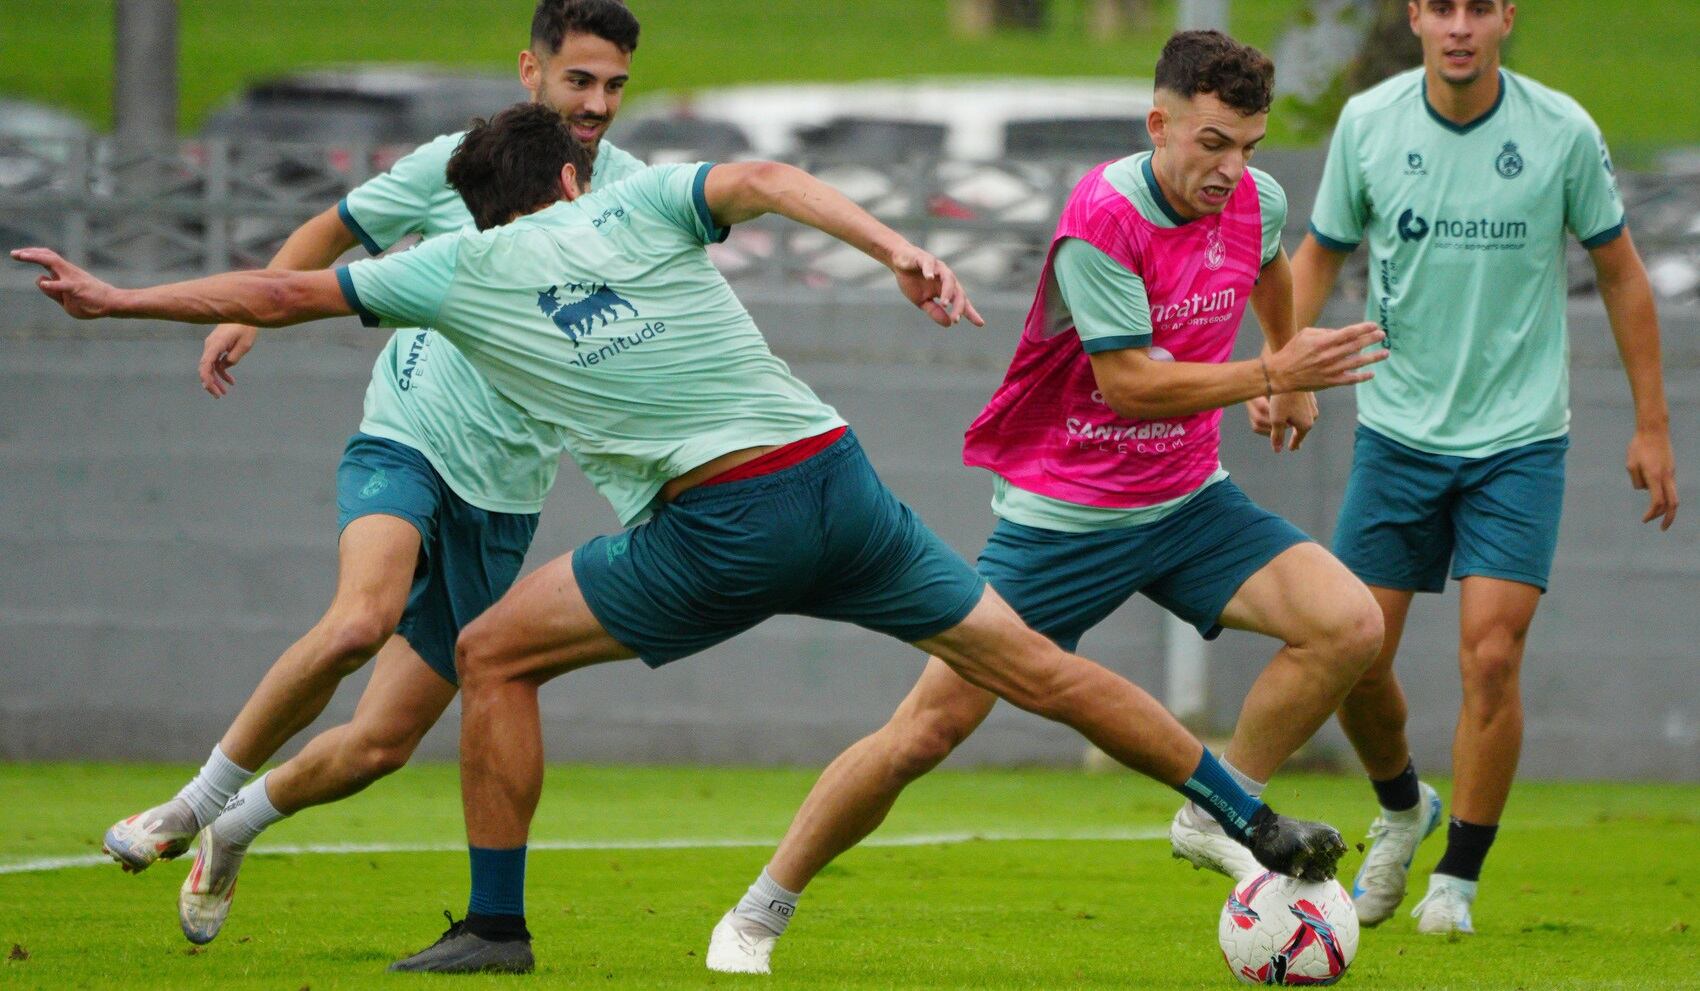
(932, 286)
(1319, 358)
(1257, 411)
(225, 346)
(1291, 414)
(1652, 469)
(81, 294)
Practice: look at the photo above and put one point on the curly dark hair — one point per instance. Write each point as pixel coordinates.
(606, 19)
(1195, 62)
(510, 165)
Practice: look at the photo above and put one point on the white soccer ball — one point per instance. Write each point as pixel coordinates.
(1279, 930)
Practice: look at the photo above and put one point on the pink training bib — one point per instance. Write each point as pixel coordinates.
(1047, 429)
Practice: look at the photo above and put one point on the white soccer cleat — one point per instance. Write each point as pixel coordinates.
(740, 946)
(160, 833)
(203, 903)
(1201, 841)
(1393, 838)
(1446, 908)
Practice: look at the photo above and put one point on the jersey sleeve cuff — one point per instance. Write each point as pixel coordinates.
(345, 282)
(1606, 236)
(366, 240)
(699, 196)
(1333, 243)
(1120, 342)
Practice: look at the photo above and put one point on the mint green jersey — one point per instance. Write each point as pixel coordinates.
(1108, 308)
(1466, 228)
(604, 319)
(424, 393)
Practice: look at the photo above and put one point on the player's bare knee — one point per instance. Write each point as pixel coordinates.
(380, 757)
(354, 635)
(921, 744)
(1359, 636)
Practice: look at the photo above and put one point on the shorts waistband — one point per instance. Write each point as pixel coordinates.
(708, 495)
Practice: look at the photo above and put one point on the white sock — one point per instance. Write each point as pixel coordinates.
(248, 814)
(1252, 786)
(768, 903)
(211, 789)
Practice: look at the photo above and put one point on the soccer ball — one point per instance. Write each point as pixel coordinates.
(1279, 930)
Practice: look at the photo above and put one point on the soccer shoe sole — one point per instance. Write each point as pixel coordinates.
(1309, 851)
(732, 951)
(1373, 912)
(135, 849)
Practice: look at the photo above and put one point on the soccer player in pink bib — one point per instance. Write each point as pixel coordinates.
(1103, 443)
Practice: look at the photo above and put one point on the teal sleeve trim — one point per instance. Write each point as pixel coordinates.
(1606, 236)
(1333, 244)
(354, 228)
(345, 282)
(699, 196)
(1096, 345)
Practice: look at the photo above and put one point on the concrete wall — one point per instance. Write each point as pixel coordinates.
(158, 549)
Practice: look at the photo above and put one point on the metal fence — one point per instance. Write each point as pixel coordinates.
(208, 206)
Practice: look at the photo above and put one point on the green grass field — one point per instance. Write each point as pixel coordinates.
(1633, 66)
(1591, 886)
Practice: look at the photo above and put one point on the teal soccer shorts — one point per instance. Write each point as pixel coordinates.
(823, 538)
(1408, 514)
(1190, 562)
(468, 557)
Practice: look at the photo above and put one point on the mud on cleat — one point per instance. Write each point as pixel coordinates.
(161, 833)
(1308, 851)
(460, 951)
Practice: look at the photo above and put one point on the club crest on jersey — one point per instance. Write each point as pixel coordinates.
(578, 318)
(1510, 162)
(1215, 249)
(1414, 163)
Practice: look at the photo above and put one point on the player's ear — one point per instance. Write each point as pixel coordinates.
(530, 72)
(570, 188)
(1157, 126)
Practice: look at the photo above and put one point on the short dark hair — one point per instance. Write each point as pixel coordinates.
(1195, 62)
(510, 165)
(609, 20)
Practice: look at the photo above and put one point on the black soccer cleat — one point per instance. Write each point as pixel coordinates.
(459, 951)
(1308, 851)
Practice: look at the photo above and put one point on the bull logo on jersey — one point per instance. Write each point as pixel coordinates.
(1412, 227)
(1510, 162)
(1215, 250)
(578, 318)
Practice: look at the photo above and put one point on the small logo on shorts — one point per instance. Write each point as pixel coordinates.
(374, 485)
(617, 546)
(1510, 162)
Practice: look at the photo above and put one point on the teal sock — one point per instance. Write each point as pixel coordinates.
(1216, 792)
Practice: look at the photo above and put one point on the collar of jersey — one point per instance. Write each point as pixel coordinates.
(1157, 194)
(1456, 128)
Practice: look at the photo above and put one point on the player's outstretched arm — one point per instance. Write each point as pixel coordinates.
(1628, 296)
(315, 244)
(742, 191)
(261, 298)
(1140, 387)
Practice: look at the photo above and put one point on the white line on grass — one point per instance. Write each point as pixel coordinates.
(918, 839)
